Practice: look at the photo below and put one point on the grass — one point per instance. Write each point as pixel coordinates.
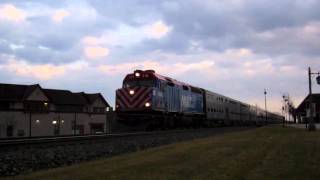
(264, 153)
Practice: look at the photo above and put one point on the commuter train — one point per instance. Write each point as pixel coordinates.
(152, 101)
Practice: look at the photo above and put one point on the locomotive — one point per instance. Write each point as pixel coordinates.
(149, 100)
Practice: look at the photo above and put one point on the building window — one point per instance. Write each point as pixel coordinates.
(69, 108)
(37, 106)
(96, 128)
(9, 130)
(4, 105)
(78, 128)
(21, 132)
(99, 109)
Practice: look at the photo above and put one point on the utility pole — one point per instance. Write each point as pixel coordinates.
(284, 107)
(288, 107)
(256, 114)
(265, 104)
(283, 120)
(311, 126)
(30, 123)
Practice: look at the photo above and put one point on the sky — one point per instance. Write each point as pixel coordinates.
(236, 48)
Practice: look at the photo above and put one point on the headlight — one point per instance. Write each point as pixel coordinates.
(131, 92)
(137, 74)
(147, 104)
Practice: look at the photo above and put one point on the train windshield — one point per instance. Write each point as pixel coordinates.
(139, 83)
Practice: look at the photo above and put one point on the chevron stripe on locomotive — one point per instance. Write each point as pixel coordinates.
(148, 99)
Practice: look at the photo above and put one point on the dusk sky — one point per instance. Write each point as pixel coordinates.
(232, 47)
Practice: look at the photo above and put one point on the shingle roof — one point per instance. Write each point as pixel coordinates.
(30, 89)
(15, 92)
(12, 92)
(315, 98)
(64, 97)
(91, 98)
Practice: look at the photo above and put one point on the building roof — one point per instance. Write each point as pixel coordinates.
(91, 98)
(302, 106)
(29, 90)
(13, 92)
(16, 92)
(64, 97)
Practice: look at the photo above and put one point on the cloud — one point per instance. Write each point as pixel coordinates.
(42, 72)
(126, 36)
(96, 52)
(16, 46)
(48, 71)
(235, 47)
(60, 15)
(11, 13)
(157, 30)
(91, 41)
(173, 69)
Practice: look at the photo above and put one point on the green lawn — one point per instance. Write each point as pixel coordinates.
(264, 153)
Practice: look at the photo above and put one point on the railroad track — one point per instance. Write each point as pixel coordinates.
(57, 139)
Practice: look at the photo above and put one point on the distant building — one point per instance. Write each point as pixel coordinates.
(303, 110)
(30, 110)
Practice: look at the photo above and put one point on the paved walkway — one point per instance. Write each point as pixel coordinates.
(303, 126)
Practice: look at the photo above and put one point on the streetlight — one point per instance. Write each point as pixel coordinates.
(265, 104)
(311, 126)
(284, 107)
(283, 120)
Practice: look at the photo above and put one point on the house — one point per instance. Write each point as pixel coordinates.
(30, 110)
(303, 110)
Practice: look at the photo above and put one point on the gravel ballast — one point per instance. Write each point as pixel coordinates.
(26, 158)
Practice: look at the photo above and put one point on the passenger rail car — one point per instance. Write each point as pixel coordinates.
(148, 99)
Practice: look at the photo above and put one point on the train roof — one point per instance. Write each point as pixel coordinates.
(151, 74)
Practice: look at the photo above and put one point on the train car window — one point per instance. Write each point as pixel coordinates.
(162, 86)
(196, 90)
(185, 88)
(170, 84)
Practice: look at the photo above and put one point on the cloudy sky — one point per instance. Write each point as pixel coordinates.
(233, 47)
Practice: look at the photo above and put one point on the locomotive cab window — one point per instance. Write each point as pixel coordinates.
(135, 83)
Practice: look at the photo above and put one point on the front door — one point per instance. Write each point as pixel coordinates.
(9, 130)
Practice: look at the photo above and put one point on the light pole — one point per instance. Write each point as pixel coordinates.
(311, 126)
(284, 107)
(265, 104)
(283, 120)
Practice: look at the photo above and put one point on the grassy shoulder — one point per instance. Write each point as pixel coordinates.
(264, 153)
